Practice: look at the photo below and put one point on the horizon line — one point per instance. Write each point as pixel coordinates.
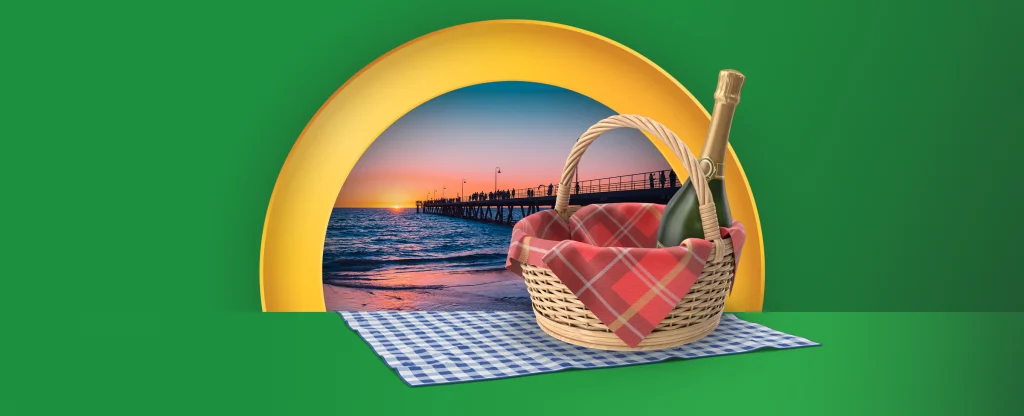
(377, 207)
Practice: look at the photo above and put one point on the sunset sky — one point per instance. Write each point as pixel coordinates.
(526, 129)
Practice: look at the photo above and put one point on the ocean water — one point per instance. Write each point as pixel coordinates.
(363, 243)
(400, 260)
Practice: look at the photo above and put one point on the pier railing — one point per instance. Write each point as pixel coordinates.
(631, 182)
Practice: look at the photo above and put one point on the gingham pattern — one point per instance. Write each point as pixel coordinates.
(605, 256)
(427, 348)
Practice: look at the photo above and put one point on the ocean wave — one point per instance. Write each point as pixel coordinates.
(354, 264)
(361, 285)
(374, 284)
(478, 269)
(372, 242)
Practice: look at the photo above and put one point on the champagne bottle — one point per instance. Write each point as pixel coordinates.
(681, 219)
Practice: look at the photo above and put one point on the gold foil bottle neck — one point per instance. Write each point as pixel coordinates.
(730, 82)
(727, 96)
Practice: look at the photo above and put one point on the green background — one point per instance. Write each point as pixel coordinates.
(142, 142)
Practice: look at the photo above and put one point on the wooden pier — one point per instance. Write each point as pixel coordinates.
(639, 187)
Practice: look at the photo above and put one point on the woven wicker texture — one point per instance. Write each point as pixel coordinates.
(563, 316)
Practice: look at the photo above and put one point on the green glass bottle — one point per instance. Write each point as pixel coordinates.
(681, 219)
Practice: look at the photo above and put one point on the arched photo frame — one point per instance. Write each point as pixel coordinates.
(444, 61)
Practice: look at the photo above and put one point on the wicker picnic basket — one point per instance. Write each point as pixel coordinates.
(560, 314)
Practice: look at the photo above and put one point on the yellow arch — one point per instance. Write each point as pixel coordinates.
(446, 60)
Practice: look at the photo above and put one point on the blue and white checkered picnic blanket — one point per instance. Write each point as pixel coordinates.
(449, 347)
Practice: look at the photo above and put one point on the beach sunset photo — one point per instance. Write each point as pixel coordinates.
(505, 142)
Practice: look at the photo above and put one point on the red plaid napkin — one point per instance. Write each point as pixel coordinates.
(604, 256)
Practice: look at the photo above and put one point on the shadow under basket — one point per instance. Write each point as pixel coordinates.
(562, 315)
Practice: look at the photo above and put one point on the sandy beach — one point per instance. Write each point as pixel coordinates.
(483, 291)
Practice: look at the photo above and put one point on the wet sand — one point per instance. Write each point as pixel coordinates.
(485, 291)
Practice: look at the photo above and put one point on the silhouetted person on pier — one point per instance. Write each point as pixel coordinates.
(650, 178)
(577, 188)
(550, 188)
(513, 193)
(661, 177)
(490, 196)
(672, 178)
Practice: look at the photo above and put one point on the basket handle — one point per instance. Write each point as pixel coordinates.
(708, 215)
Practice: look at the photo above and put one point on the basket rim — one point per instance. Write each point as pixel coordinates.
(563, 221)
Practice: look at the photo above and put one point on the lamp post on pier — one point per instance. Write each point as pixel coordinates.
(497, 170)
(577, 172)
(463, 188)
(442, 192)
